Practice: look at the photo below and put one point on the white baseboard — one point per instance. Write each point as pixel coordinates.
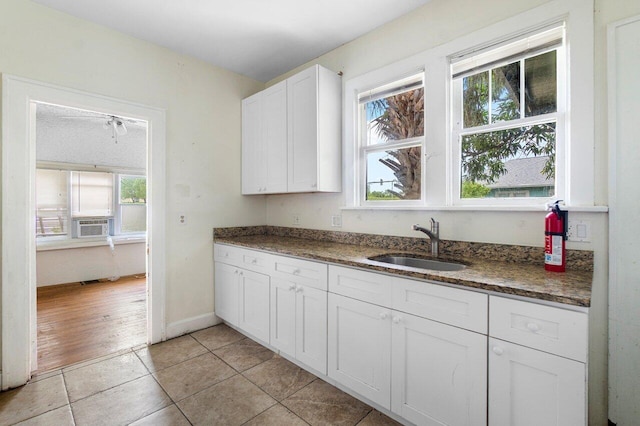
(188, 325)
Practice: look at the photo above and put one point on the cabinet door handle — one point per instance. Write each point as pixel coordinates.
(292, 287)
(384, 315)
(497, 350)
(397, 320)
(236, 272)
(533, 327)
(299, 289)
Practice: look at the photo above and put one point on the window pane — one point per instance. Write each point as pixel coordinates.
(394, 174)
(395, 117)
(518, 162)
(51, 202)
(133, 218)
(133, 189)
(505, 87)
(475, 100)
(540, 84)
(92, 193)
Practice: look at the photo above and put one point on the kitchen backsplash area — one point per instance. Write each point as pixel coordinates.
(577, 260)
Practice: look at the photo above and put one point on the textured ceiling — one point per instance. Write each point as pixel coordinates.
(257, 38)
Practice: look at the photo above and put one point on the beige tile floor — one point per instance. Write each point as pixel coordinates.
(214, 376)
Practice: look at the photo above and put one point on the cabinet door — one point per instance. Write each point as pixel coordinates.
(311, 327)
(439, 372)
(530, 387)
(226, 292)
(283, 316)
(253, 165)
(253, 315)
(274, 134)
(302, 93)
(360, 347)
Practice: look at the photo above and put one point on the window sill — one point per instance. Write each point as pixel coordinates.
(88, 242)
(522, 208)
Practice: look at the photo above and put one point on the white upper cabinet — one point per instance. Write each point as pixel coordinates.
(252, 147)
(291, 135)
(264, 141)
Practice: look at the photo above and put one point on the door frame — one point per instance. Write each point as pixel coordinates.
(18, 247)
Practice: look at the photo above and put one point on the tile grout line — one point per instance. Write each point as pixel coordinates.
(66, 390)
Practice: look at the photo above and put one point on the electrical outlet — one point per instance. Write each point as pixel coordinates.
(579, 231)
(296, 220)
(336, 221)
(182, 219)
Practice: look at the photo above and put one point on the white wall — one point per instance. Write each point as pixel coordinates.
(89, 263)
(624, 286)
(203, 128)
(436, 23)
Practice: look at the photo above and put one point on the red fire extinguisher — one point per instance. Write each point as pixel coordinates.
(555, 234)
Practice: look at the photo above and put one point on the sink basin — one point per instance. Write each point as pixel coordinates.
(417, 262)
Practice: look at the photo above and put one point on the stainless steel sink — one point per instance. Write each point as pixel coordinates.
(417, 262)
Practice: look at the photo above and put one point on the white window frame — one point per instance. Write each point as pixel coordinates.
(364, 148)
(117, 225)
(457, 130)
(50, 241)
(575, 158)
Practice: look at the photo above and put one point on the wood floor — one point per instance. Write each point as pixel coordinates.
(77, 322)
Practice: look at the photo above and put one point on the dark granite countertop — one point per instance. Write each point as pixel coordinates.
(516, 278)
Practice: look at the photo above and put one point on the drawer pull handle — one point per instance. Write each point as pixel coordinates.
(254, 261)
(533, 327)
(384, 315)
(296, 272)
(497, 350)
(397, 320)
(236, 272)
(292, 287)
(299, 289)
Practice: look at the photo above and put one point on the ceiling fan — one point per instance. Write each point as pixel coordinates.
(116, 124)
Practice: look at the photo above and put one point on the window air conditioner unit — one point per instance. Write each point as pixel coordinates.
(87, 228)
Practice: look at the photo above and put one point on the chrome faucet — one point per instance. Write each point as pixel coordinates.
(433, 234)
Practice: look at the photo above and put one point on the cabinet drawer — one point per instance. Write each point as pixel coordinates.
(366, 286)
(244, 258)
(547, 328)
(461, 308)
(312, 274)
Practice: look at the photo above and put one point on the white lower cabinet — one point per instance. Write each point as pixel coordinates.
(360, 347)
(242, 299)
(253, 312)
(299, 322)
(537, 364)
(439, 372)
(226, 292)
(427, 372)
(531, 387)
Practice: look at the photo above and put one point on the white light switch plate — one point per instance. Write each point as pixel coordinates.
(579, 231)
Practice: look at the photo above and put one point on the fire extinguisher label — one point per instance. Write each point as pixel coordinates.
(553, 249)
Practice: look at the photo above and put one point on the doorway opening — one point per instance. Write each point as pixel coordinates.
(18, 245)
(90, 229)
